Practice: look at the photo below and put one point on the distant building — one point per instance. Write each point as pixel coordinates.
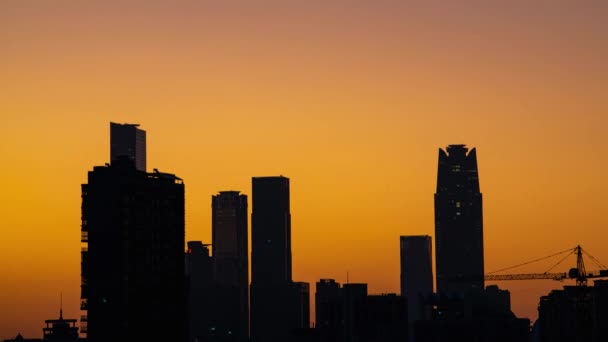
(231, 263)
(272, 317)
(56, 330)
(416, 274)
(458, 223)
(133, 283)
(575, 313)
(353, 294)
(127, 140)
(381, 318)
(328, 304)
(60, 330)
(483, 316)
(349, 314)
(199, 275)
(301, 305)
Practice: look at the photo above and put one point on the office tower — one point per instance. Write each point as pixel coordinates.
(231, 263)
(271, 286)
(270, 231)
(199, 275)
(133, 277)
(127, 140)
(416, 273)
(458, 222)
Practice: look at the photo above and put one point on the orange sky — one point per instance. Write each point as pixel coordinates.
(350, 99)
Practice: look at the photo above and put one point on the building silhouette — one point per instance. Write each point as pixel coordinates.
(328, 309)
(276, 302)
(301, 304)
(416, 274)
(199, 275)
(231, 263)
(575, 313)
(483, 316)
(458, 223)
(381, 318)
(60, 330)
(127, 140)
(353, 294)
(349, 314)
(133, 277)
(55, 330)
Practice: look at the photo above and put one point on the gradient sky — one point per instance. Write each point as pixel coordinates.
(350, 99)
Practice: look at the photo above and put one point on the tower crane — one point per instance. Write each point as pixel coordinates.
(579, 272)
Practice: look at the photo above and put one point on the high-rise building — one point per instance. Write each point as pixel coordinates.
(458, 222)
(133, 283)
(416, 273)
(127, 140)
(271, 283)
(231, 262)
(270, 231)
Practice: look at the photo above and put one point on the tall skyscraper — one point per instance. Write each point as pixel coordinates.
(127, 140)
(416, 273)
(458, 222)
(271, 283)
(133, 283)
(270, 231)
(231, 262)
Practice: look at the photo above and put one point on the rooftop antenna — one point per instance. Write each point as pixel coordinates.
(347, 277)
(60, 305)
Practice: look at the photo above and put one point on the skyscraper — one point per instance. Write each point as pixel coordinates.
(271, 283)
(416, 273)
(458, 222)
(127, 140)
(133, 283)
(231, 262)
(270, 231)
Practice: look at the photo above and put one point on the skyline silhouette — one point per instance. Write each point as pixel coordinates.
(136, 267)
(349, 100)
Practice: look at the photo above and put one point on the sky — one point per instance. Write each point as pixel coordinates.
(349, 99)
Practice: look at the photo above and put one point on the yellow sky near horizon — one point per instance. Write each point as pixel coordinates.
(350, 100)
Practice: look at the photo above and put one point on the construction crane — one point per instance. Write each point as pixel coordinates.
(579, 272)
